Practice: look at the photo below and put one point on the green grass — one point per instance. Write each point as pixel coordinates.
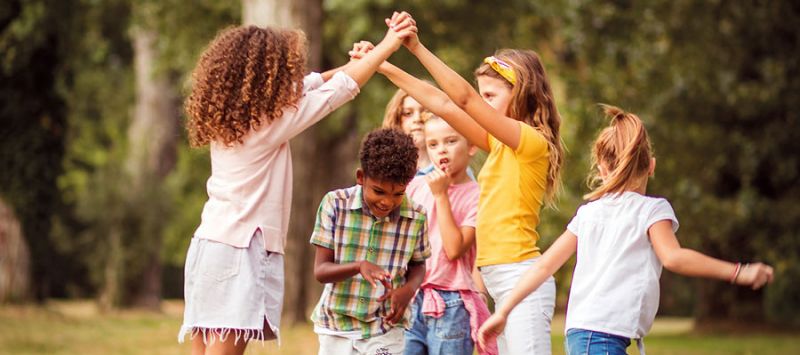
(76, 327)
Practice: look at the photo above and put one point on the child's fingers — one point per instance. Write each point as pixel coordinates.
(386, 295)
(386, 284)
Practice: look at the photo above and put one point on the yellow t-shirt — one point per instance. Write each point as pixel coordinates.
(512, 190)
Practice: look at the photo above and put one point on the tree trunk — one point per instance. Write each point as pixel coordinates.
(152, 139)
(14, 258)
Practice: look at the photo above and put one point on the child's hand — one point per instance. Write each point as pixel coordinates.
(360, 49)
(755, 275)
(401, 26)
(412, 41)
(400, 298)
(372, 272)
(438, 181)
(491, 329)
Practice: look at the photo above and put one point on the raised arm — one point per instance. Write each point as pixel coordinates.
(502, 127)
(692, 263)
(437, 102)
(363, 69)
(456, 240)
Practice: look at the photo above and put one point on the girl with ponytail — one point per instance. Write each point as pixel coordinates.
(622, 238)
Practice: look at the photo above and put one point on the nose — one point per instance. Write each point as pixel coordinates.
(417, 118)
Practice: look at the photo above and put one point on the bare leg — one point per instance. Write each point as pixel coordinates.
(198, 348)
(227, 347)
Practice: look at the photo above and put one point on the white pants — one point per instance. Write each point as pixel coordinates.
(391, 343)
(528, 327)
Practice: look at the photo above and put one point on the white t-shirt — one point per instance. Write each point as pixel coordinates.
(615, 286)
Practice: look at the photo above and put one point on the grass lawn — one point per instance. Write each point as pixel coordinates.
(76, 327)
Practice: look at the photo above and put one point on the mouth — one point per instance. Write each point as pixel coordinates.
(444, 163)
(382, 211)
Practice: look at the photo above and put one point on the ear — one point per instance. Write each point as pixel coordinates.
(473, 149)
(360, 177)
(652, 171)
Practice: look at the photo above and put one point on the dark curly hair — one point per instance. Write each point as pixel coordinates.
(246, 77)
(389, 155)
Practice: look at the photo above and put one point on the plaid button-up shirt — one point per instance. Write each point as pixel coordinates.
(345, 225)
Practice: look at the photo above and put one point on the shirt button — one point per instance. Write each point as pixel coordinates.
(362, 300)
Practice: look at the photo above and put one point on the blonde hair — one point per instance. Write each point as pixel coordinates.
(623, 150)
(394, 110)
(532, 103)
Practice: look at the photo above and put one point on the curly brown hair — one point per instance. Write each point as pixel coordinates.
(247, 76)
(389, 155)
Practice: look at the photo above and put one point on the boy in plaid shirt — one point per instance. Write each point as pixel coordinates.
(371, 246)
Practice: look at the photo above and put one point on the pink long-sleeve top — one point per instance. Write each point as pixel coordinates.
(250, 187)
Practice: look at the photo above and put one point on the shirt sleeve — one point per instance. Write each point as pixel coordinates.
(575, 223)
(325, 222)
(422, 250)
(662, 210)
(312, 81)
(532, 144)
(315, 104)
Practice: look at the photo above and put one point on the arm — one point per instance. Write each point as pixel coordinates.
(437, 102)
(328, 74)
(692, 263)
(479, 285)
(551, 260)
(455, 240)
(328, 271)
(505, 129)
(363, 69)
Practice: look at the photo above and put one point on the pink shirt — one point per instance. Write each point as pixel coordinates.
(250, 187)
(441, 273)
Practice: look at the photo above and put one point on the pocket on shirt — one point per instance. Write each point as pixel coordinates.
(220, 261)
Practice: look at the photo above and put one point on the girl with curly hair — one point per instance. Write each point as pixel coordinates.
(249, 97)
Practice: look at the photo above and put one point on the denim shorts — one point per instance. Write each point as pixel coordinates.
(448, 334)
(587, 342)
(232, 291)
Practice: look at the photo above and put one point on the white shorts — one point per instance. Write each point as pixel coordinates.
(232, 291)
(389, 343)
(527, 329)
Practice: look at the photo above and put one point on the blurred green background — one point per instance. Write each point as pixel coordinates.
(100, 193)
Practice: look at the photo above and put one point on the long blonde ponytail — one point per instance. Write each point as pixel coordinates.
(623, 151)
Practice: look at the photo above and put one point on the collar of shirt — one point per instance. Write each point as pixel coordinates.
(405, 210)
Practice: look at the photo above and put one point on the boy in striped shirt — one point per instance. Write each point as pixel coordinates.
(371, 245)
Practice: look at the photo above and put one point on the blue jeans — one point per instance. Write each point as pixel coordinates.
(449, 334)
(587, 342)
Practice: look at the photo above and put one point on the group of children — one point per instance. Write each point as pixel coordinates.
(411, 255)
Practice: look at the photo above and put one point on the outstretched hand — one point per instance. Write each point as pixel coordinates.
(490, 330)
(401, 28)
(755, 275)
(360, 49)
(410, 41)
